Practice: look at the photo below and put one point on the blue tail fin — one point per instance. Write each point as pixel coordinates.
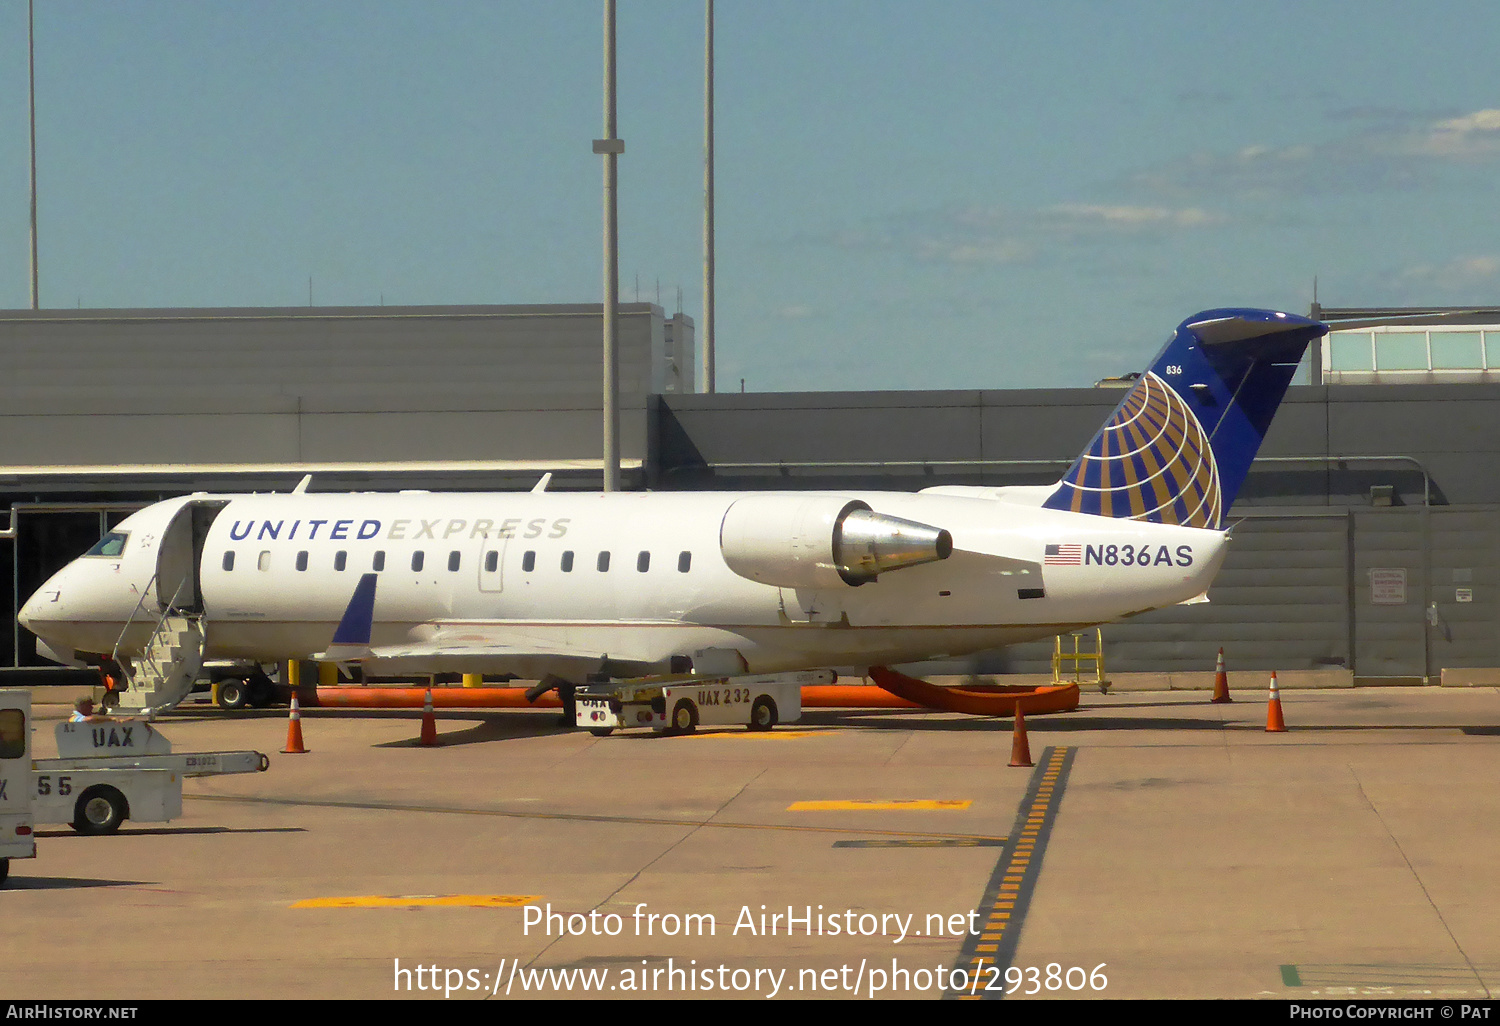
(1177, 449)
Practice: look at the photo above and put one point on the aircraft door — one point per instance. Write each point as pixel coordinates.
(181, 553)
(492, 564)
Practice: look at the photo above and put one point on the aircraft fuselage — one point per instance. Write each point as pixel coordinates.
(537, 583)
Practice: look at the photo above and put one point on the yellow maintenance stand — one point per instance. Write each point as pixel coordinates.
(1078, 657)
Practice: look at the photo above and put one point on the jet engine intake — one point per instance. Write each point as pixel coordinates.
(822, 541)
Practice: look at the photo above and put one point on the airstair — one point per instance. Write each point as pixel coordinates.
(164, 672)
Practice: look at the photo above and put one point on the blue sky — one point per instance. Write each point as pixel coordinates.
(972, 193)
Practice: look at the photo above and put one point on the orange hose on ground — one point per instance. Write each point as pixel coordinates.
(894, 691)
(852, 696)
(978, 699)
(355, 696)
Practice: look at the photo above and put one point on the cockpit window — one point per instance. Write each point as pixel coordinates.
(111, 544)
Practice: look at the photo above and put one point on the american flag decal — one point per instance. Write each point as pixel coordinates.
(1063, 555)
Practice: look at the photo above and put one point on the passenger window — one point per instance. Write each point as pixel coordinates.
(643, 562)
(567, 562)
(603, 562)
(528, 562)
(416, 560)
(379, 562)
(264, 562)
(684, 562)
(453, 560)
(340, 560)
(491, 561)
(229, 561)
(302, 560)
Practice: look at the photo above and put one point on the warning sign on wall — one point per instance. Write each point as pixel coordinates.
(1388, 586)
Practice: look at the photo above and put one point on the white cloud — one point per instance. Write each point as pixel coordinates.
(1459, 273)
(1128, 218)
(1472, 136)
(976, 235)
(973, 250)
(1393, 155)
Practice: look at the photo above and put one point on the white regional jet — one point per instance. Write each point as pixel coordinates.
(574, 586)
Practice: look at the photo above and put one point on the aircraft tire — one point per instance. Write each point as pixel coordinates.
(233, 693)
(684, 717)
(4, 870)
(763, 713)
(99, 810)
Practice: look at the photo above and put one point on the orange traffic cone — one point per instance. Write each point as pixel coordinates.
(429, 722)
(294, 730)
(1020, 748)
(1221, 681)
(1274, 721)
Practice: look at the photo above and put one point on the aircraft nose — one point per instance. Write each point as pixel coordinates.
(46, 608)
(30, 614)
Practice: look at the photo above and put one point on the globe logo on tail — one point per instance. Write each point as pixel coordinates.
(1151, 461)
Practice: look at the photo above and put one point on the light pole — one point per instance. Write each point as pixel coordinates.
(31, 99)
(611, 147)
(706, 347)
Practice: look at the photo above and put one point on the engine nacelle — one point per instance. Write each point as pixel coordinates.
(822, 541)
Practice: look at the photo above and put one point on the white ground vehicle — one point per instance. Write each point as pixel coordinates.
(16, 838)
(760, 701)
(107, 771)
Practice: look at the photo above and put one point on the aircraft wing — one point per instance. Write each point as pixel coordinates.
(463, 648)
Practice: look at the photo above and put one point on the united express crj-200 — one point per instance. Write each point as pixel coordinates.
(575, 586)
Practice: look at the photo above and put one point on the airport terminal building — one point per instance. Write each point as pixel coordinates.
(1368, 541)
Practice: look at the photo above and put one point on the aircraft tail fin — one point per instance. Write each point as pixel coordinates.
(1177, 448)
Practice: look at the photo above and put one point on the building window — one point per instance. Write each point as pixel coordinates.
(567, 562)
(1492, 349)
(340, 560)
(416, 560)
(453, 560)
(1456, 350)
(378, 563)
(643, 562)
(229, 561)
(684, 562)
(1401, 351)
(1351, 351)
(604, 562)
(302, 560)
(528, 562)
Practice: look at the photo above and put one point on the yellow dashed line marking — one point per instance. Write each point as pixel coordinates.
(875, 804)
(1016, 870)
(412, 900)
